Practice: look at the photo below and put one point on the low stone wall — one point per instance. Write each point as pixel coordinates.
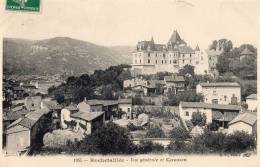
(162, 141)
(151, 108)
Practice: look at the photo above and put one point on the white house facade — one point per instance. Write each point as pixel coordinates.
(220, 92)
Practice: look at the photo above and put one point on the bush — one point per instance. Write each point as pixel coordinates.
(198, 118)
(132, 127)
(155, 132)
(108, 139)
(189, 124)
(188, 96)
(179, 147)
(213, 126)
(210, 142)
(148, 147)
(239, 141)
(179, 134)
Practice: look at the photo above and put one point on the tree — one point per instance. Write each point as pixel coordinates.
(187, 69)
(179, 134)
(59, 98)
(198, 119)
(155, 132)
(223, 64)
(108, 139)
(188, 96)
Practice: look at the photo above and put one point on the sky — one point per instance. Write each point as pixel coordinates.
(125, 22)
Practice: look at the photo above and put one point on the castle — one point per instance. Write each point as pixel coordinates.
(150, 58)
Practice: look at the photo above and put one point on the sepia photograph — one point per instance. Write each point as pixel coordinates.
(129, 78)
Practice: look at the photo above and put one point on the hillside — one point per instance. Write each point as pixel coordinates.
(59, 55)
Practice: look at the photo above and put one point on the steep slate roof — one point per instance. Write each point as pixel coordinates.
(220, 84)
(175, 38)
(252, 96)
(174, 78)
(246, 51)
(246, 117)
(88, 116)
(197, 48)
(185, 49)
(209, 106)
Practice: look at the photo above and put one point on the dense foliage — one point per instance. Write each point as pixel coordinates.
(198, 118)
(155, 132)
(102, 84)
(187, 96)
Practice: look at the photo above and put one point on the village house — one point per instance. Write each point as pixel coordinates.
(213, 56)
(110, 107)
(88, 121)
(174, 84)
(246, 121)
(218, 113)
(28, 88)
(9, 116)
(27, 131)
(129, 83)
(86, 118)
(18, 92)
(125, 106)
(251, 101)
(220, 92)
(42, 86)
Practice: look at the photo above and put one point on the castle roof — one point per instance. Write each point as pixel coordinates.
(185, 49)
(197, 48)
(175, 38)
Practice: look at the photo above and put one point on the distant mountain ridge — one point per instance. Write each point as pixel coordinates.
(60, 54)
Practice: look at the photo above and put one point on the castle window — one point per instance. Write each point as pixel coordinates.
(135, 61)
(170, 62)
(162, 61)
(149, 54)
(190, 55)
(140, 61)
(164, 55)
(165, 61)
(148, 61)
(183, 61)
(156, 61)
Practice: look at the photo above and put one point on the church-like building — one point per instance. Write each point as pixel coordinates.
(150, 58)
